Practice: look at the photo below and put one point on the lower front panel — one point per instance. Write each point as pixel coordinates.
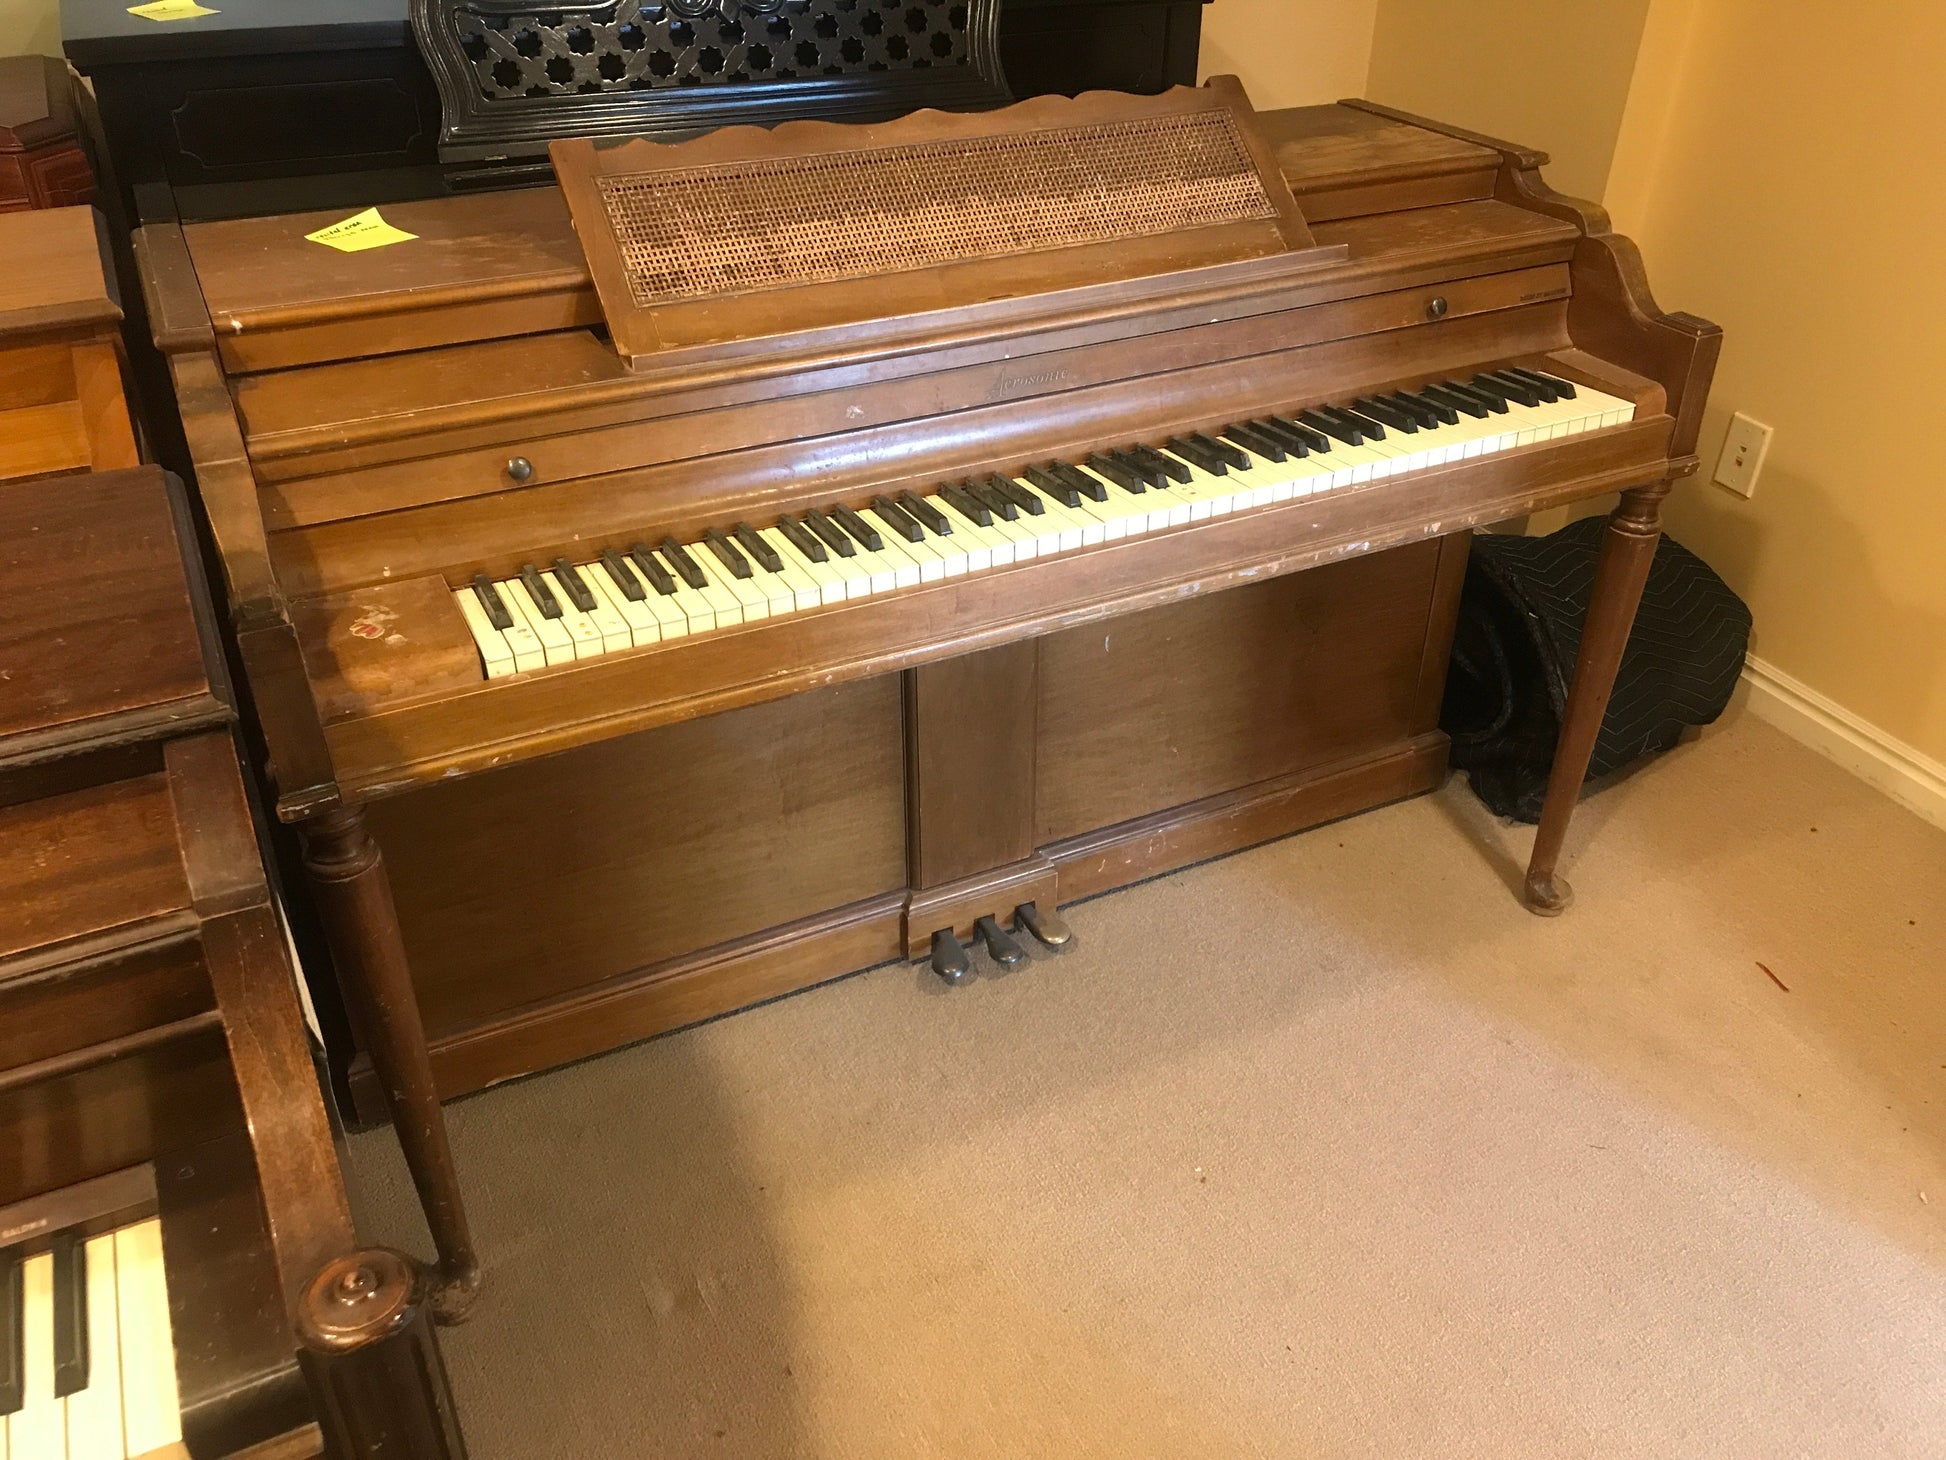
(563, 907)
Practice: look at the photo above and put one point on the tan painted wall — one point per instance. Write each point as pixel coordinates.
(1290, 53)
(28, 27)
(1547, 73)
(1784, 176)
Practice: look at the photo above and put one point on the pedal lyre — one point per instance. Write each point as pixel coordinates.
(949, 959)
(1048, 928)
(1001, 945)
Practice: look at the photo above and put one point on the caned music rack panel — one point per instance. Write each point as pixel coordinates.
(812, 219)
(814, 236)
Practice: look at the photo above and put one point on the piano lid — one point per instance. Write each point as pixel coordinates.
(815, 228)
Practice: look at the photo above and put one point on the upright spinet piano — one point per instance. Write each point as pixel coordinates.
(1076, 491)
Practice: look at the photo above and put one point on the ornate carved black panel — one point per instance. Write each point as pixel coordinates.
(512, 76)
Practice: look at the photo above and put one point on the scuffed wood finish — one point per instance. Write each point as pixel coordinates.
(356, 417)
(61, 366)
(99, 641)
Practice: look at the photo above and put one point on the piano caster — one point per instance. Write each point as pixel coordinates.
(450, 1295)
(1001, 945)
(1549, 896)
(949, 959)
(1048, 928)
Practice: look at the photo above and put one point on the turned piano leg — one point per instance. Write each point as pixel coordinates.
(362, 927)
(1627, 551)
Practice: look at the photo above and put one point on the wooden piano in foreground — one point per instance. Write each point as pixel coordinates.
(172, 1222)
(772, 554)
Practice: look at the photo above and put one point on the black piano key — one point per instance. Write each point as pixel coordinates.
(572, 584)
(537, 589)
(1563, 389)
(1486, 398)
(1297, 442)
(13, 1333)
(491, 604)
(1022, 497)
(900, 521)
(1454, 400)
(1431, 412)
(831, 534)
(918, 508)
(650, 567)
(998, 503)
(621, 577)
(1087, 483)
(1122, 475)
(752, 542)
(1171, 469)
(1397, 417)
(1193, 453)
(967, 505)
(1235, 456)
(1332, 426)
(1312, 440)
(70, 1316)
(803, 540)
(1371, 430)
(1055, 487)
(686, 567)
(1146, 471)
(1258, 443)
(858, 527)
(726, 553)
(1507, 388)
(1543, 394)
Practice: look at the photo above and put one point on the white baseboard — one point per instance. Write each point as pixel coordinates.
(1908, 777)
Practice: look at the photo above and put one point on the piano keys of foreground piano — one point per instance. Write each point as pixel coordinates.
(635, 595)
(87, 1364)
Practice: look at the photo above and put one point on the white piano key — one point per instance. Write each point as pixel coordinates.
(926, 566)
(725, 607)
(589, 641)
(94, 1414)
(643, 626)
(830, 583)
(999, 546)
(973, 539)
(779, 589)
(39, 1426)
(608, 620)
(495, 653)
(752, 604)
(151, 1416)
(556, 646)
(1072, 528)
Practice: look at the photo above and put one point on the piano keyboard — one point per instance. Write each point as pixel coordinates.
(644, 594)
(87, 1366)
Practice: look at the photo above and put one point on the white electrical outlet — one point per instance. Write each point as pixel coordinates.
(1744, 449)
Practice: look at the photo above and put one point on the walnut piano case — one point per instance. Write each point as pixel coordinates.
(586, 853)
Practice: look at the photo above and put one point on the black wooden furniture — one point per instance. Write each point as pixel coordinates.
(261, 110)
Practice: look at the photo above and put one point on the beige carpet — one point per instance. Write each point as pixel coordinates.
(1328, 1149)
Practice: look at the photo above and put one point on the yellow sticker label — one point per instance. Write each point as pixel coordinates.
(171, 10)
(360, 232)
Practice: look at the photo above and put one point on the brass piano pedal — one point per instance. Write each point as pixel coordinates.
(949, 959)
(1001, 945)
(1048, 928)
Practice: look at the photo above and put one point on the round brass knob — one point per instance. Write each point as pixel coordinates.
(520, 469)
(1437, 309)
